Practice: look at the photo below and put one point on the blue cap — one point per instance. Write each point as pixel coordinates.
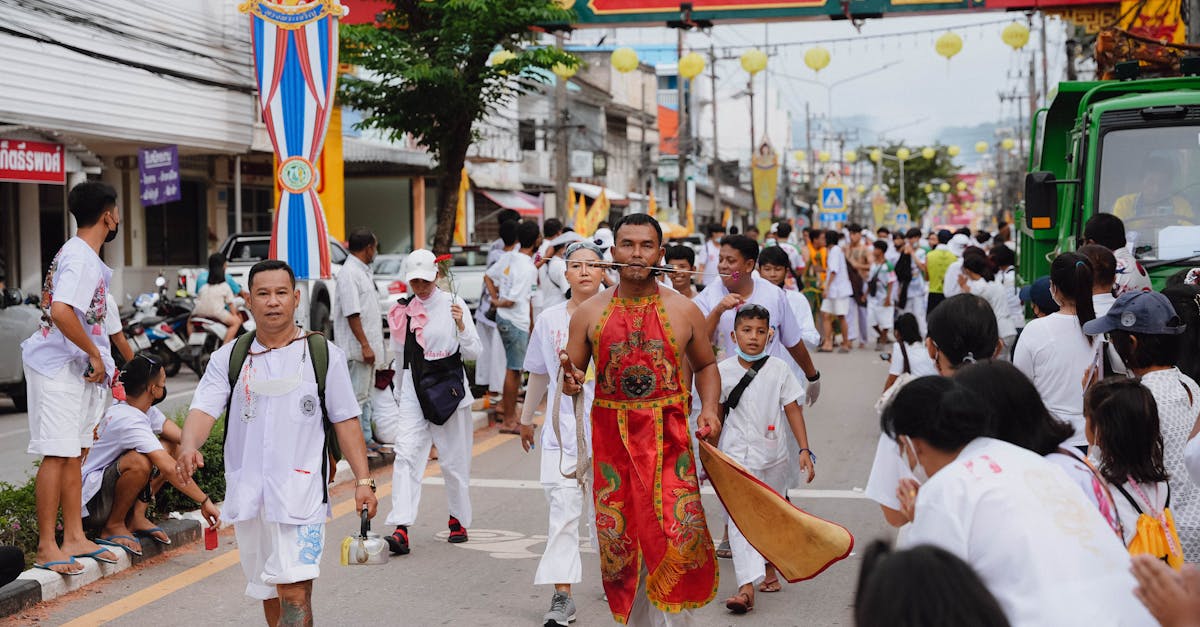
(1139, 312)
(1039, 293)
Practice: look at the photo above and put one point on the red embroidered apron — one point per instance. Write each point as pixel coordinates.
(646, 494)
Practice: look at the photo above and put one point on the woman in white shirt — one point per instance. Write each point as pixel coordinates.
(1053, 350)
(1122, 430)
(214, 298)
(442, 328)
(1039, 546)
(977, 278)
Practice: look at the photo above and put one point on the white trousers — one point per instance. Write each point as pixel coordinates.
(454, 441)
(856, 320)
(748, 565)
(644, 613)
(916, 306)
(275, 553)
(490, 367)
(561, 562)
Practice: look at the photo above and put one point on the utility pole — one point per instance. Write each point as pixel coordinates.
(561, 146)
(1045, 64)
(716, 158)
(766, 89)
(1032, 81)
(682, 141)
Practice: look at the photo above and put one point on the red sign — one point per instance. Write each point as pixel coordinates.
(32, 162)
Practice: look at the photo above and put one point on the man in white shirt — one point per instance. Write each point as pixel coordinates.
(958, 244)
(881, 287)
(276, 464)
(711, 256)
(719, 303)
(836, 304)
(511, 287)
(358, 323)
(489, 369)
(67, 362)
(1108, 231)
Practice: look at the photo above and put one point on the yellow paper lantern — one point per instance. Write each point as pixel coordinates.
(1016, 35)
(850, 156)
(800, 155)
(876, 155)
(981, 147)
(754, 61)
(1007, 143)
(928, 152)
(953, 150)
(860, 189)
(948, 45)
(928, 188)
(824, 156)
(962, 186)
(903, 154)
(874, 188)
(564, 71)
(624, 60)
(944, 187)
(691, 65)
(991, 183)
(816, 58)
(502, 57)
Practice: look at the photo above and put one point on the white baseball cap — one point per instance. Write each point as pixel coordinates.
(421, 265)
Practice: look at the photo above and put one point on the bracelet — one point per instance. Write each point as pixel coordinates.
(813, 379)
(810, 454)
(206, 500)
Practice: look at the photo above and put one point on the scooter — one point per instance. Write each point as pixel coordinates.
(156, 326)
(206, 335)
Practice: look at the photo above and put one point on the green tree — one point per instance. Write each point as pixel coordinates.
(425, 71)
(917, 171)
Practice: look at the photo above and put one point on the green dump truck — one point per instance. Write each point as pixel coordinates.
(1131, 148)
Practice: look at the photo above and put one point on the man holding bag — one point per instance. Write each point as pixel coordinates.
(431, 335)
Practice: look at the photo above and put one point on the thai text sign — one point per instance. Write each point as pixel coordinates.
(158, 175)
(31, 162)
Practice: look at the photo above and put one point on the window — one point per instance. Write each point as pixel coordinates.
(527, 134)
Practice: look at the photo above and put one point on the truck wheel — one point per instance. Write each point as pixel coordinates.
(320, 320)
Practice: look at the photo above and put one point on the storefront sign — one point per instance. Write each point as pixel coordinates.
(158, 175)
(32, 162)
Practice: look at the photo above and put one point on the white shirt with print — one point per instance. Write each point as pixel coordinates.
(1178, 399)
(80, 279)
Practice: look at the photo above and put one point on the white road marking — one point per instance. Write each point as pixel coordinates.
(523, 484)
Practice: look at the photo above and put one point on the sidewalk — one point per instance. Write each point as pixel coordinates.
(35, 586)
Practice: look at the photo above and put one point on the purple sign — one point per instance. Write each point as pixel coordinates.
(158, 171)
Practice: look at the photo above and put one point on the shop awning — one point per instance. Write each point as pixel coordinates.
(593, 191)
(523, 204)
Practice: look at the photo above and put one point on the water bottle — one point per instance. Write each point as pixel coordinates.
(771, 434)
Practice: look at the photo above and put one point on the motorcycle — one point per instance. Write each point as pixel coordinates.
(206, 335)
(156, 326)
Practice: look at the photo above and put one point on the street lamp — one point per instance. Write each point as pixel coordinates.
(902, 155)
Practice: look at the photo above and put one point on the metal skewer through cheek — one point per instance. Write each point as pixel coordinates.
(612, 264)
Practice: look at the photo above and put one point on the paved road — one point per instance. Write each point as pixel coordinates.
(487, 581)
(16, 465)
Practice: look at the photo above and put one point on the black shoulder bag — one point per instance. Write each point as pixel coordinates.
(735, 395)
(438, 383)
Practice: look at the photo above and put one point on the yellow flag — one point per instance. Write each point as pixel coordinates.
(727, 218)
(691, 218)
(460, 214)
(600, 210)
(581, 217)
(652, 207)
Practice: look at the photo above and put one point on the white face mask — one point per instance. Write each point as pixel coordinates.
(275, 387)
(913, 461)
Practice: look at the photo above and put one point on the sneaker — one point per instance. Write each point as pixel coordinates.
(723, 550)
(458, 533)
(398, 541)
(562, 611)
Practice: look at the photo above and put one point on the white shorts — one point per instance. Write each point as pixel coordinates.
(880, 316)
(274, 553)
(836, 306)
(63, 411)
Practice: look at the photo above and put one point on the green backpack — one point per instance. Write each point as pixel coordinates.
(318, 348)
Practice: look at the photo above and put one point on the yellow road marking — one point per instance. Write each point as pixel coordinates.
(196, 574)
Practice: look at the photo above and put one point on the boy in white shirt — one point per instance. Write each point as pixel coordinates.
(511, 289)
(752, 436)
(67, 363)
(881, 287)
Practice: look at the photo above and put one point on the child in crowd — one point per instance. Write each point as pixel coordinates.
(881, 297)
(1123, 435)
(753, 388)
(908, 353)
(682, 258)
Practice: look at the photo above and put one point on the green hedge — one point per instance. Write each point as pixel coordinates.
(18, 514)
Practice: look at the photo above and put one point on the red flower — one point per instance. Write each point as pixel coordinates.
(444, 258)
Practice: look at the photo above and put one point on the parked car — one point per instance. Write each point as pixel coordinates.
(243, 250)
(470, 262)
(18, 321)
(388, 271)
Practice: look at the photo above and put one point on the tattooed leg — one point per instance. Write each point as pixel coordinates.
(295, 604)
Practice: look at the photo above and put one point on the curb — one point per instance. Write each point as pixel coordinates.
(35, 585)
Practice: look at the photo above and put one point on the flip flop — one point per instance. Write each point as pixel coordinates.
(149, 533)
(96, 556)
(739, 603)
(70, 573)
(824, 350)
(112, 541)
(770, 586)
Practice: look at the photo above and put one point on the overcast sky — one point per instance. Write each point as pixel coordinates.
(920, 96)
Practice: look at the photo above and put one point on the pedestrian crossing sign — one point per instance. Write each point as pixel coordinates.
(833, 198)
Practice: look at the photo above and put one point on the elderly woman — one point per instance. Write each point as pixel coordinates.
(431, 331)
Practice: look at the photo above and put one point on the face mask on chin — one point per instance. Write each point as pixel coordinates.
(112, 235)
(918, 469)
(160, 398)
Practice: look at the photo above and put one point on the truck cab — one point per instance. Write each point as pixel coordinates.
(1130, 148)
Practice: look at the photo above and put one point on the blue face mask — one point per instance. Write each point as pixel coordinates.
(743, 355)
